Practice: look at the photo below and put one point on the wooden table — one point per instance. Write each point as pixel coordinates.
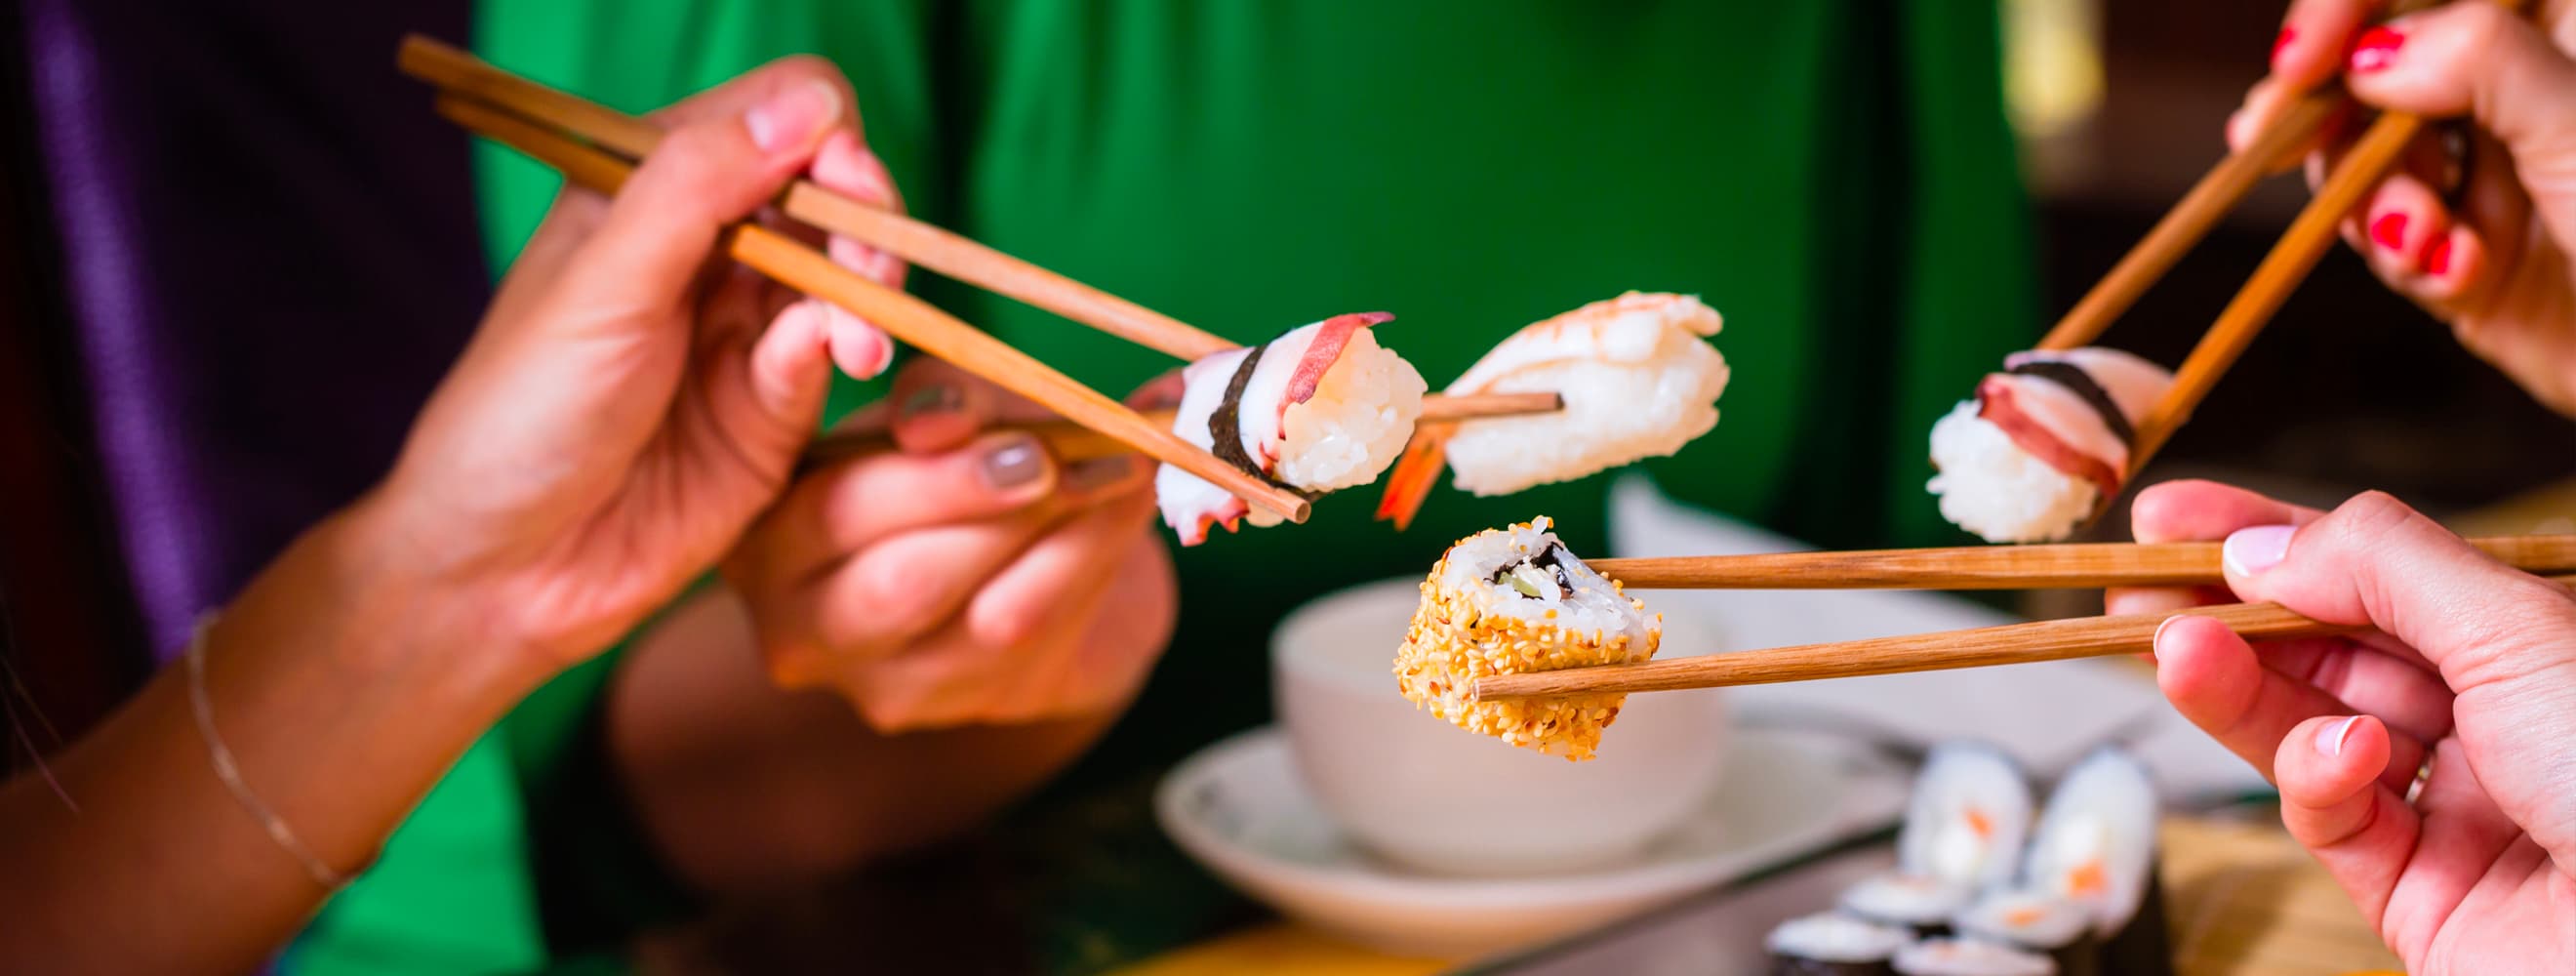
(2243, 899)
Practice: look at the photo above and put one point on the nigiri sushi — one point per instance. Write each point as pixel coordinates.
(2045, 444)
(1322, 407)
(1638, 377)
(1506, 601)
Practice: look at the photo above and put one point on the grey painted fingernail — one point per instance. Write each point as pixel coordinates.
(1097, 472)
(1013, 463)
(939, 398)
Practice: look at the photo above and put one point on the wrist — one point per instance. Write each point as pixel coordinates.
(412, 610)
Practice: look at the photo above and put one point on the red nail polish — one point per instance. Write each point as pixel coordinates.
(2437, 262)
(2282, 43)
(2389, 231)
(2376, 49)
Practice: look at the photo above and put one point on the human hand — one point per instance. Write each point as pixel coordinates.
(2492, 258)
(2469, 662)
(966, 578)
(633, 398)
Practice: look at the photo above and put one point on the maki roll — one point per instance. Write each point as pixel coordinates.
(1638, 377)
(1832, 945)
(1966, 823)
(1969, 957)
(2045, 924)
(1920, 904)
(2096, 847)
(2045, 445)
(1320, 408)
(1507, 601)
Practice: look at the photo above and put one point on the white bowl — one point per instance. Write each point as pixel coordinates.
(1240, 809)
(1431, 796)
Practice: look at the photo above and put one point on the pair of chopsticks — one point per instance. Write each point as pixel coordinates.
(2280, 273)
(597, 147)
(1978, 567)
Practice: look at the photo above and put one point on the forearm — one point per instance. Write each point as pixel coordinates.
(743, 786)
(344, 685)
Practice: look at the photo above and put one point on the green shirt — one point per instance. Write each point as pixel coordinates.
(1834, 177)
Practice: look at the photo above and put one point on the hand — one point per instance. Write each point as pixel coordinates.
(2470, 662)
(622, 413)
(2494, 260)
(966, 578)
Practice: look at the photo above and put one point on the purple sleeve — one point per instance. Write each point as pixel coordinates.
(269, 256)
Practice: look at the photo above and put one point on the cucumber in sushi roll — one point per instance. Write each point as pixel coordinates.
(1833, 945)
(1510, 601)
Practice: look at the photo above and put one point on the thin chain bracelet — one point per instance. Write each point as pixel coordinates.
(230, 772)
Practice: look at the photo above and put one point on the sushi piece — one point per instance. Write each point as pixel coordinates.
(2096, 847)
(1920, 904)
(1320, 408)
(1970, 812)
(1969, 957)
(1833, 945)
(1638, 378)
(2045, 445)
(2039, 923)
(1507, 601)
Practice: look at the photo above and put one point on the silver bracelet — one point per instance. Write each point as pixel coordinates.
(230, 772)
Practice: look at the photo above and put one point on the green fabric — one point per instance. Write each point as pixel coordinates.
(1835, 177)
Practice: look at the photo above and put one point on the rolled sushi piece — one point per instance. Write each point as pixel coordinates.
(1509, 601)
(1920, 904)
(2036, 922)
(1969, 816)
(2045, 445)
(1828, 944)
(2096, 847)
(1321, 408)
(1639, 380)
(1969, 957)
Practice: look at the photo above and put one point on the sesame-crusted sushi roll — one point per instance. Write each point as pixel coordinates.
(1508, 601)
(2036, 922)
(2096, 847)
(2045, 445)
(1970, 812)
(1920, 904)
(1639, 380)
(1833, 945)
(1321, 408)
(1969, 957)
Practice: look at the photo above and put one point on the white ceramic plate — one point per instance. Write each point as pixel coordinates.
(1240, 809)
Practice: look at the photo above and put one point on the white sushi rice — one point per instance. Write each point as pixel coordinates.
(1968, 819)
(1990, 486)
(1828, 937)
(2026, 918)
(2096, 842)
(1969, 957)
(1905, 899)
(1355, 425)
(1638, 378)
(1593, 607)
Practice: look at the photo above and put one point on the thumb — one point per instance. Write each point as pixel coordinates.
(2375, 562)
(2481, 60)
(703, 176)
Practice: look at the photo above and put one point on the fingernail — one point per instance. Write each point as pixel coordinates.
(1099, 471)
(2155, 645)
(2282, 43)
(940, 398)
(2389, 231)
(2376, 49)
(790, 117)
(2251, 551)
(1015, 462)
(2330, 739)
(2437, 261)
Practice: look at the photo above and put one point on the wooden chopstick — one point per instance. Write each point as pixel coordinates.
(912, 320)
(1071, 443)
(919, 243)
(2047, 640)
(2067, 566)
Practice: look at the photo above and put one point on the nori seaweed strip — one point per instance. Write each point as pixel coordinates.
(2074, 378)
(1225, 425)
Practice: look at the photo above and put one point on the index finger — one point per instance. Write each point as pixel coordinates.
(2315, 35)
(938, 406)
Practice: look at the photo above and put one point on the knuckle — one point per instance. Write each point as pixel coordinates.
(1007, 623)
(2475, 26)
(888, 603)
(2372, 516)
